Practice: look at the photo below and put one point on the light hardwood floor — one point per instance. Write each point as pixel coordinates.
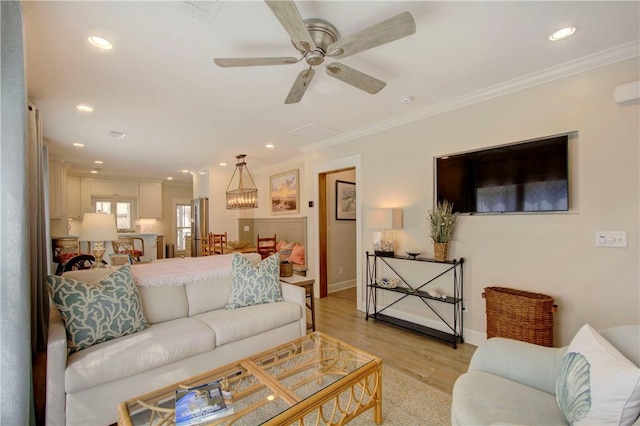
(431, 361)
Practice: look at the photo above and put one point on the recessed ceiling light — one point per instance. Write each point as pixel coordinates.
(95, 172)
(406, 99)
(100, 43)
(563, 33)
(222, 164)
(185, 171)
(84, 108)
(78, 144)
(269, 145)
(169, 178)
(98, 162)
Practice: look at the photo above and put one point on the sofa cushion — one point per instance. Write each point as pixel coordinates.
(253, 285)
(481, 398)
(156, 346)
(285, 251)
(237, 324)
(164, 303)
(597, 384)
(97, 312)
(205, 296)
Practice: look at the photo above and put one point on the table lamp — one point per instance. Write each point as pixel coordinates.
(98, 227)
(384, 220)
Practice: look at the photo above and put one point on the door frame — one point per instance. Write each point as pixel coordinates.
(351, 162)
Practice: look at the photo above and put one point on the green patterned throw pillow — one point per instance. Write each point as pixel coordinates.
(97, 312)
(253, 285)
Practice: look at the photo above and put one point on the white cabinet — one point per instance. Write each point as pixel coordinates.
(56, 207)
(113, 188)
(74, 208)
(150, 201)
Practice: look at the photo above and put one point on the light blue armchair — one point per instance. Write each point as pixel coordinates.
(513, 382)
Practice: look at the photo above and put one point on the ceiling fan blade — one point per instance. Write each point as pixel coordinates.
(289, 17)
(252, 62)
(300, 86)
(355, 78)
(394, 28)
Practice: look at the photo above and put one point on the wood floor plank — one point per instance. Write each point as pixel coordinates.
(431, 361)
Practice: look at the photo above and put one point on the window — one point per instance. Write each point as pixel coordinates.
(121, 208)
(183, 225)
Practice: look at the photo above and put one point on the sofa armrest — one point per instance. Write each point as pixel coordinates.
(56, 365)
(296, 294)
(525, 363)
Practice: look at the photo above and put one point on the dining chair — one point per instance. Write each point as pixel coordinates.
(266, 246)
(64, 248)
(127, 245)
(219, 243)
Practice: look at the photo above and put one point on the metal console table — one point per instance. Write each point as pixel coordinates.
(453, 322)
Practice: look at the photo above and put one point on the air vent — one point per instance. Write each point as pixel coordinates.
(314, 132)
(205, 10)
(117, 135)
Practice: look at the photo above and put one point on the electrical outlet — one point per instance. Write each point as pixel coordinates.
(246, 228)
(611, 239)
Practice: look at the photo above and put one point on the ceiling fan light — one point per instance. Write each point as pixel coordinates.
(562, 33)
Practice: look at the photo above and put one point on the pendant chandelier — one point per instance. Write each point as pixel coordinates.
(243, 197)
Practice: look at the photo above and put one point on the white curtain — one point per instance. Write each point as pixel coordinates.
(15, 289)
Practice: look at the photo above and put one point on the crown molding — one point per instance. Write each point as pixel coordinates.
(577, 66)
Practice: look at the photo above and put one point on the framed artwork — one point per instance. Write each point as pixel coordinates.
(119, 259)
(345, 200)
(285, 194)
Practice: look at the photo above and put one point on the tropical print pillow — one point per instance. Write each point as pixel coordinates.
(597, 384)
(97, 312)
(254, 285)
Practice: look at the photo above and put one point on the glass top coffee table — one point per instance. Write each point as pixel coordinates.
(315, 379)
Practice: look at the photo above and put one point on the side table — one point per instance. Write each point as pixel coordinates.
(307, 283)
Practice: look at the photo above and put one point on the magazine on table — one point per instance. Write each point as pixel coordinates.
(201, 404)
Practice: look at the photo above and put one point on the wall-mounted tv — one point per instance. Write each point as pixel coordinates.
(530, 176)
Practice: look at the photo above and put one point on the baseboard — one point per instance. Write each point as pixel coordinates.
(342, 285)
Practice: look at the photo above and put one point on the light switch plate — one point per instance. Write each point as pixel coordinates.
(616, 239)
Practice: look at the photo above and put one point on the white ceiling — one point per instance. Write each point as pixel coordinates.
(179, 110)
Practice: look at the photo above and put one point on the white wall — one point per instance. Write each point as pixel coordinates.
(552, 254)
(341, 239)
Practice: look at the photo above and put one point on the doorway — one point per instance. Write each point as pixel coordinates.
(339, 264)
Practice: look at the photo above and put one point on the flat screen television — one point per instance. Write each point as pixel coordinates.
(530, 176)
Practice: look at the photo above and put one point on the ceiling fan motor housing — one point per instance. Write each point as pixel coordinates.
(323, 34)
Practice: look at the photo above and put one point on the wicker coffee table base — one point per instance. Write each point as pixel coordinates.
(345, 382)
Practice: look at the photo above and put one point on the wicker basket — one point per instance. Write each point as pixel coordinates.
(520, 315)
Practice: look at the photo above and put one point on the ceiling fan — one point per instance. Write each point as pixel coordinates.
(317, 39)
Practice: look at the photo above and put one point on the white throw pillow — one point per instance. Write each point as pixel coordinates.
(597, 384)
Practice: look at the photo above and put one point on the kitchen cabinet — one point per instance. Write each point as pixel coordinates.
(150, 200)
(111, 188)
(56, 206)
(74, 209)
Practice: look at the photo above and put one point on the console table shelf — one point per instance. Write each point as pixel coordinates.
(453, 321)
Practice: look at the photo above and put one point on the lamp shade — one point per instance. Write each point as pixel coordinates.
(98, 227)
(384, 219)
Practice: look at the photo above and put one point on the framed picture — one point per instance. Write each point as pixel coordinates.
(345, 200)
(285, 195)
(119, 259)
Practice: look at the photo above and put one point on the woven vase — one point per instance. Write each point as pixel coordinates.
(440, 251)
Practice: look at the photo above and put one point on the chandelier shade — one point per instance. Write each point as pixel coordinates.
(245, 194)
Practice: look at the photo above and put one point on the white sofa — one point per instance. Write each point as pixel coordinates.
(513, 382)
(190, 332)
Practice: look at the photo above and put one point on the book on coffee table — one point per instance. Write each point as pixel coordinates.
(201, 404)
